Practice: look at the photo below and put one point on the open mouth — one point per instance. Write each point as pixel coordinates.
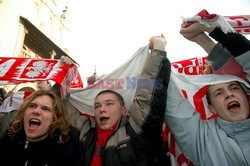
(103, 119)
(34, 123)
(233, 105)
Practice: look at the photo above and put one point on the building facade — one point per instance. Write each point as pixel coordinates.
(33, 29)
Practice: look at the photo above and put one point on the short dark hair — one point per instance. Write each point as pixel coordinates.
(120, 98)
(208, 95)
(2, 92)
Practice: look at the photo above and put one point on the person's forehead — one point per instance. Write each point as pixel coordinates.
(107, 97)
(42, 99)
(226, 84)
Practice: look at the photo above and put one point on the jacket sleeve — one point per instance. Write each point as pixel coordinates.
(224, 63)
(77, 120)
(219, 56)
(147, 110)
(236, 43)
(186, 125)
(239, 46)
(244, 61)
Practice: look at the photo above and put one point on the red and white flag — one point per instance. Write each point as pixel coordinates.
(20, 70)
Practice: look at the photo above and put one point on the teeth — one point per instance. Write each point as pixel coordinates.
(233, 105)
(35, 121)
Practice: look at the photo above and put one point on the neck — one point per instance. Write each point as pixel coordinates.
(36, 139)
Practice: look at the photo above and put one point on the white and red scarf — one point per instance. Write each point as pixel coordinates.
(20, 70)
(240, 23)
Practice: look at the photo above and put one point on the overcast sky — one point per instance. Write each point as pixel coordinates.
(105, 33)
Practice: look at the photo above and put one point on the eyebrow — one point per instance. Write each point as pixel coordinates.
(50, 108)
(230, 85)
(233, 83)
(216, 90)
(41, 105)
(108, 100)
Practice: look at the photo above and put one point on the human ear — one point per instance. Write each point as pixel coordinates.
(212, 109)
(125, 111)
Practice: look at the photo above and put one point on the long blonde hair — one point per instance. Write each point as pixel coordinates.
(60, 124)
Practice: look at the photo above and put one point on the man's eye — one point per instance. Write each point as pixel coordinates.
(46, 109)
(217, 94)
(97, 106)
(235, 88)
(32, 105)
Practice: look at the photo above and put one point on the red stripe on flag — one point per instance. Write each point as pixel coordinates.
(172, 145)
(27, 93)
(198, 103)
(182, 159)
(185, 95)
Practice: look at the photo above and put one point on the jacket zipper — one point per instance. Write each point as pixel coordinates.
(26, 144)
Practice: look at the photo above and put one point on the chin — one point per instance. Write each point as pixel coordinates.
(103, 128)
(239, 119)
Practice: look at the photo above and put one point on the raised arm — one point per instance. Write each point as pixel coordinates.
(195, 32)
(236, 43)
(220, 57)
(147, 110)
(185, 123)
(239, 47)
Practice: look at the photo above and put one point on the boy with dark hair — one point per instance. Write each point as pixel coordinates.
(113, 137)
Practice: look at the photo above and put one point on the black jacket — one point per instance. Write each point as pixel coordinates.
(236, 43)
(47, 152)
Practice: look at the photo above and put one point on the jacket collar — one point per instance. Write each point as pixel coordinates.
(123, 121)
(233, 128)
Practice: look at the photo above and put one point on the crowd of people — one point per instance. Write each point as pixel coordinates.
(41, 133)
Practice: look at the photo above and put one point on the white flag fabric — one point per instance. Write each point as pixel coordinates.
(13, 101)
(123, 80)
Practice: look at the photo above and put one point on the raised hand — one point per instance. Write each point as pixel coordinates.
(157, 42)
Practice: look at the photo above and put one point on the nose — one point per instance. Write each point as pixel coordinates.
(228, 93)
(102, 109)
(36, 111)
